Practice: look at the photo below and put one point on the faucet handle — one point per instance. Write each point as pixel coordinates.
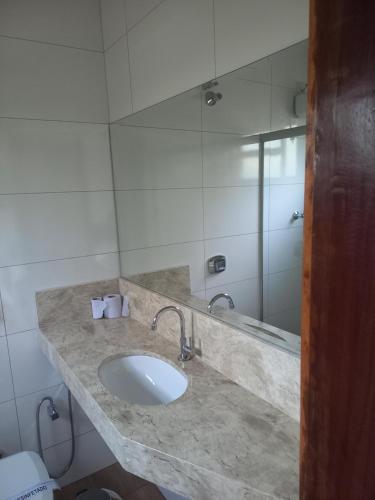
(187, 351)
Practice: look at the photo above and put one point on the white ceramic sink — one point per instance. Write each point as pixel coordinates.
(142, 379)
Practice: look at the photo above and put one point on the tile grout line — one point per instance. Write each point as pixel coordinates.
(30, 193)
(131, 90)
(185, 188)
(59, 259)
(115, 200)
(41, 42)
(203, 196)
(101, 24)
(11, 372)
(25, 118)
(127, 29)
(214, 30)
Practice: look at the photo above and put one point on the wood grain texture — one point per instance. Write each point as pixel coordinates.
(338, 325)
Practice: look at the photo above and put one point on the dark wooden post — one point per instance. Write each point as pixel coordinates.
(338, 340)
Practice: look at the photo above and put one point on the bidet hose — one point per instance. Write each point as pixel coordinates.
(72, 453)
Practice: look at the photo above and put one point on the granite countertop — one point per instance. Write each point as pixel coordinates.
(218, 441)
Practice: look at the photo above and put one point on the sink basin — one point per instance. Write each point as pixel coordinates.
(142, 379)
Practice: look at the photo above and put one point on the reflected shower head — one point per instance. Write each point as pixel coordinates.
(212, 97)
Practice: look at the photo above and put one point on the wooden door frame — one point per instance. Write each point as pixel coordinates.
(338, 312)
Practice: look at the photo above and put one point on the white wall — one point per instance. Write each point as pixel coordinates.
(187, 177)
(155, 49)
(57, 220)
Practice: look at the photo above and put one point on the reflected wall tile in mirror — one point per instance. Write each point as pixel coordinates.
(289, 320)
(159, 217)
(182, 112)
(247, 30)
(245, 295)
(242, 258)
(258, 71)
(162, 257)
(284, 200)
(285, 249)
(151, 158)
(231, 211)
(285, 290)
(289, 66)
(229, 160)
(244, 108)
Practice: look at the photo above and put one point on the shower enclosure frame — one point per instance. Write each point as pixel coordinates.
(262, 140)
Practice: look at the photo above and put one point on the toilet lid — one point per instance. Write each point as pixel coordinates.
(24, 473)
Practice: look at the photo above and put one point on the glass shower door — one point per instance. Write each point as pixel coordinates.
(282, 221)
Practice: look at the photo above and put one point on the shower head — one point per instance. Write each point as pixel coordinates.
(212, 97)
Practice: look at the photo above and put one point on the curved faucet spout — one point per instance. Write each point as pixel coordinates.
(220, 296)
(186, 350)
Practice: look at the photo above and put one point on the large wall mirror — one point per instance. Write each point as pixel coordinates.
(209, 193)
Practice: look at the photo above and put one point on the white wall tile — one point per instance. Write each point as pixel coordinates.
(285, 290)
(138, 9)
(245, 295)
(2, 322)
(113, 20)
(72, 23)
(242, 258)
(19, 283)
(147, 218)
(229, 160)
(147, 158)
(10, 439)
(181, 112)
(285, 249)
(243, 109)
(6, 385)
(284, 200)
(31, 369)
(51, 82)
(53, 431)
(118, 80)
(171, 50)
(38, 156)
(92, 454)
(289, 67)
(156, 258)
(40, 227)
(231, 211)
(247, 30)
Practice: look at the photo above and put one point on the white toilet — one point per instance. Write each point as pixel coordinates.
(25, 473)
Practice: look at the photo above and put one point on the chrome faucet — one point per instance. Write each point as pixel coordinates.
(220, 296)
(186, 351)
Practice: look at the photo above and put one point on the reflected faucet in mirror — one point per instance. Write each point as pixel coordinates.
(220, 296)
